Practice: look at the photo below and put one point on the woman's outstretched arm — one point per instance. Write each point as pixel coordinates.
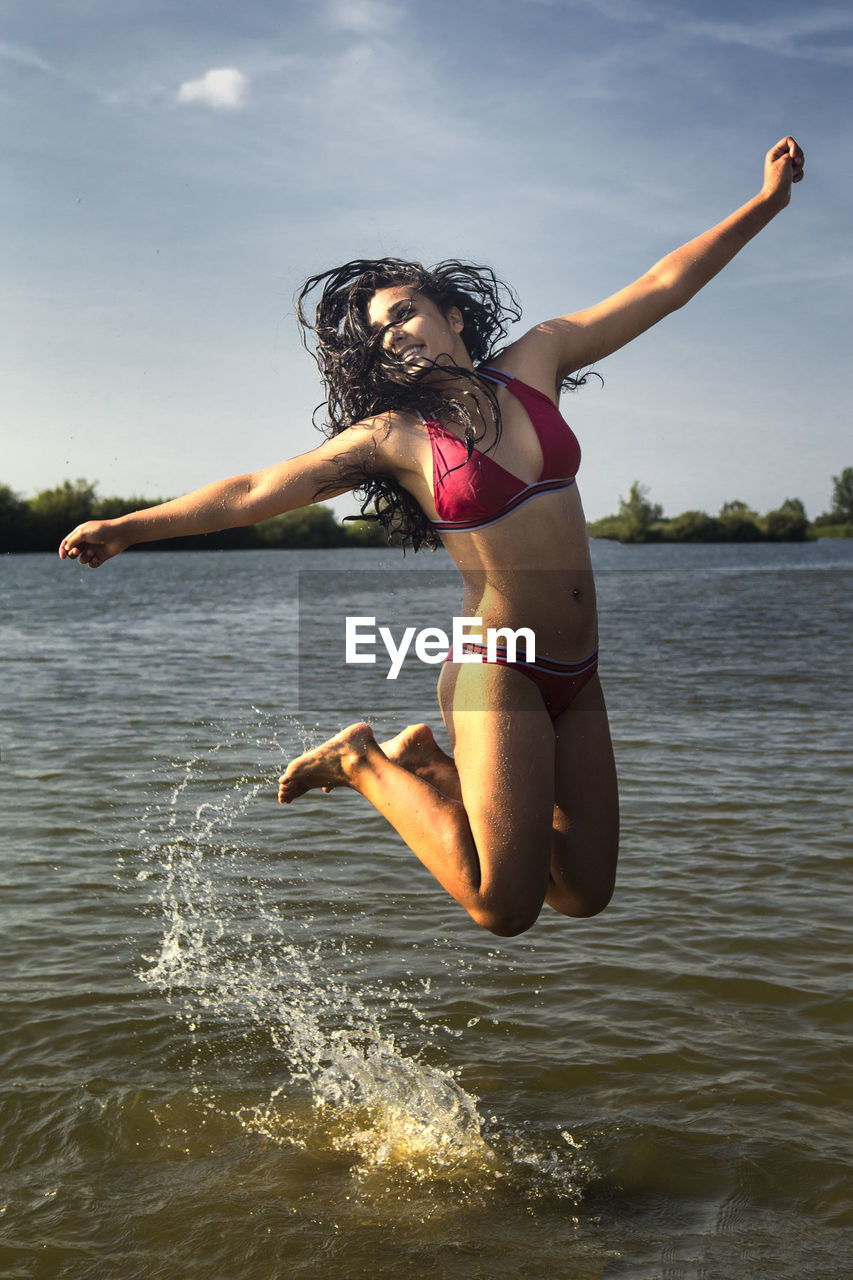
(579, 340)
(226, 504)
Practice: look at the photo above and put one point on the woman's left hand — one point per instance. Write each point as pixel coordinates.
(783, 165)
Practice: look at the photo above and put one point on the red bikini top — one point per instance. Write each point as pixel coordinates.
(471, 493)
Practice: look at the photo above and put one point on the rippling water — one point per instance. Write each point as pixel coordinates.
(247, 1042)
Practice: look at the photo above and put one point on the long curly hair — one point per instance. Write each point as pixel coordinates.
(363, 379)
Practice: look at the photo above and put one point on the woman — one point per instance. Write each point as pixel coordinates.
(525, 811)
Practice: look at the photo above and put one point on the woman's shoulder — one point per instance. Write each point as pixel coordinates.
(374, 428)
(531, 359)
(393, 437)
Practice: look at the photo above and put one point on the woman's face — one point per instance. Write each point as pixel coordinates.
(417, 334)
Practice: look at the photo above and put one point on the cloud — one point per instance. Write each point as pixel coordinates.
(792, 36)
(25, 57)
(363, 16)
(811, 32)
(223, 88)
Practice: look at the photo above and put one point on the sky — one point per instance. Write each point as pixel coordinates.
(174, 170)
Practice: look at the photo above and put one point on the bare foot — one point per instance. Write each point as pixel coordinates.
(412, 748)
(328, 765)
(416, 749)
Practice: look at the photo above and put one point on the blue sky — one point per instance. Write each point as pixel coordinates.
(174, 170)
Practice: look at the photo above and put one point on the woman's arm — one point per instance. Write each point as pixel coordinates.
(226, 504)
(576, 341)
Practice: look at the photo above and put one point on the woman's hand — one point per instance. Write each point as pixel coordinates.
(93, 542)
(783, 165)
(576, 341)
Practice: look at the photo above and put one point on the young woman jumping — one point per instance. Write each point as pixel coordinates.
(451, 439)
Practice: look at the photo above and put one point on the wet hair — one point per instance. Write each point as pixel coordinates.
(363, 379)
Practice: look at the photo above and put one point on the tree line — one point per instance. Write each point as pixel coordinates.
(39, 523)
(641, 520)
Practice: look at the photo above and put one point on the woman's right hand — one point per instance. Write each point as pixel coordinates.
(783, 165)
(93, 542)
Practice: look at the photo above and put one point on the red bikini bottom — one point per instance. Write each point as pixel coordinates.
(558, 682)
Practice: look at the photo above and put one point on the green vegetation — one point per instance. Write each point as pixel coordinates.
(640, 520)
(39, 524)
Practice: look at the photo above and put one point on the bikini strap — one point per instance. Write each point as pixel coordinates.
(495, 375)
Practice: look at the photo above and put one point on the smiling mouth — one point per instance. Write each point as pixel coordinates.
(413, 362)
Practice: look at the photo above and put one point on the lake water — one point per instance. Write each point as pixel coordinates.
(242, 1042)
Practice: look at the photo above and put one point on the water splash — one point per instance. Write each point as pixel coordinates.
(330, 1061)
(236, 968)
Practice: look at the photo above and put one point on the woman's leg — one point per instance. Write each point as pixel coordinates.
(586, 809)
(492, 849)
(503, 745)
(416, 749)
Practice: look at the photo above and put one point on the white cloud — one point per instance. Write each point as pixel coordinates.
(26, 58)
(223, 88)
(364, 16)
(791, 36)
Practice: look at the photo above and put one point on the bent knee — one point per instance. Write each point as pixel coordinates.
(505, 923)
(589, 908)
(581, 905)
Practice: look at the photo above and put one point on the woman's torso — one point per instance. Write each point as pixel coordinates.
(520, 539)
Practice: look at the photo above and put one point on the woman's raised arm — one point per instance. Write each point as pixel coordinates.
(575, 341)
(226, 504)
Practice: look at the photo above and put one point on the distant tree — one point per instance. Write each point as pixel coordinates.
(637, 514)
(365, 533)
(842, 497)
(739, 522)
(15, 533)
(55, 512)
(309, 527)
(737, 509)
(110, 508)
(607, 527)
(788, 523)
(695, 526)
